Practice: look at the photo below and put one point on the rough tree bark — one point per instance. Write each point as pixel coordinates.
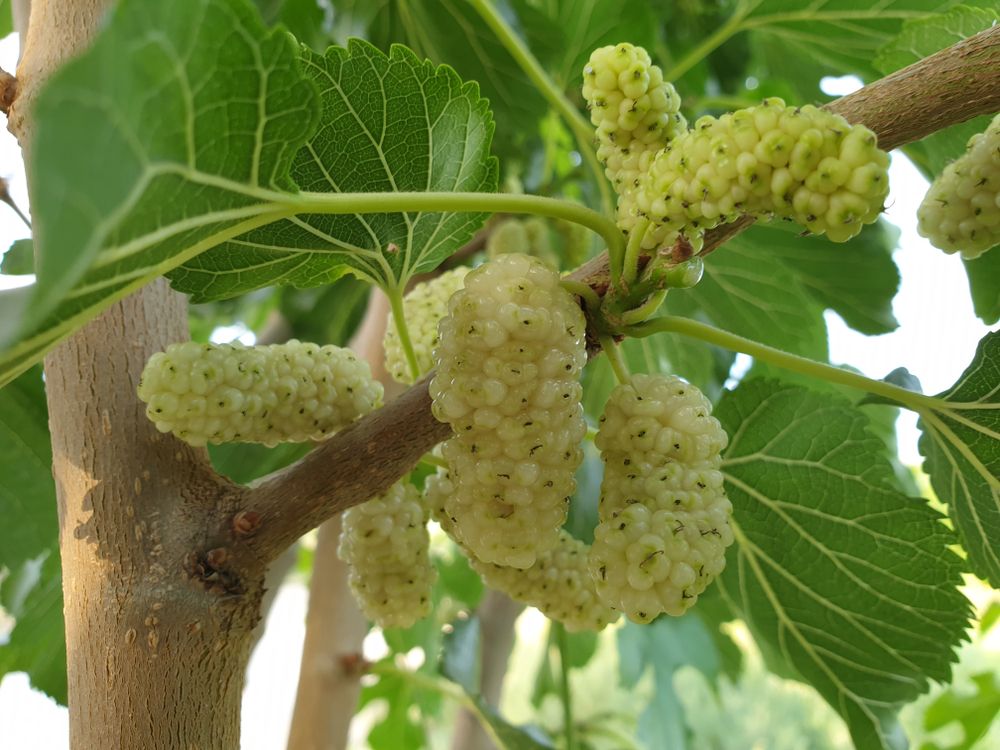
(157, 641)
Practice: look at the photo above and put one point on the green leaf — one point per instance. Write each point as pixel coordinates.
(580, 647)
(984, 285)
(974, 712)
(19, 258)
(961, 447)
(745, 292)
(922, 37)
(842, 34)
(460, 655)
(305, 18)
(397, 731)
(29, 538)
(27, 491)
(856, 279)
(6, 19)
(174, 131)
(245, 462)
(989, 618)
(666, 645)
(458, 580)
(37, 644)
(513, 737)
(576, 28)
(390, 124)
(847, 579)
(451, 32)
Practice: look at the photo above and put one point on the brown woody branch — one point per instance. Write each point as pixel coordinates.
(950, 87)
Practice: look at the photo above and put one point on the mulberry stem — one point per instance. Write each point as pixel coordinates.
(399, 317)
(615, 358)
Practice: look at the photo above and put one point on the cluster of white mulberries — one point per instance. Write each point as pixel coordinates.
(558, 584)
(799, 163)
(385, 542)
(961, 211)
(664, 515)
(508, 367)
(216, 393)
(423, 307)
(636, 113)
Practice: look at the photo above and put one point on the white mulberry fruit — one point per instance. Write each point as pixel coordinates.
(635, 112)
(799, 163)
(664, 515)
(961, 211)
(385, 543)
(558, 584)
(508, 368)
(526, 236)
(423, 307)
(221, 393)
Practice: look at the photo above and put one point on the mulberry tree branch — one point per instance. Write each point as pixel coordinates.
(950, 87)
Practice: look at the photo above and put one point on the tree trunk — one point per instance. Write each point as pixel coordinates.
(155, 655)
(157, 641)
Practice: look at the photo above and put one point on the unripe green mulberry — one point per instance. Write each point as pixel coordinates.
(635, 112)
(507, 381)
(526, 236)
(799, 163)
(664, 515)
(221, 393)
(423, 307)
(558, 584)
(961, 211)
(385, 542)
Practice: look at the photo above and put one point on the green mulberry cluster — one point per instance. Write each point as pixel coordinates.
(423, 307)
(508, 368)
(385, 543)
(221, 393)
(664, 515)
(525, 236)
(961, 211)
(799, 163)
(558, 583)
(636, 113)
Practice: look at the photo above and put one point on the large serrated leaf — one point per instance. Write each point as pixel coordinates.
(174, 131)
(845, 578)
(452, 32)
(922, 37)
(390, 124)
(961, 445)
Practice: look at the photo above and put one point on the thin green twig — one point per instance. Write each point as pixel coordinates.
(569, 731)
(373, 203)
(709, 44)
(615, 358)
(915, 401)
(584, 292)
(395, 295)
(630, 263)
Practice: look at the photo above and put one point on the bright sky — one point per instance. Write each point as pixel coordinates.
(936, 340)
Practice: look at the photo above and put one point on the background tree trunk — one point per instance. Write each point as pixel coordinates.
(335, 627)
(497, 614)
